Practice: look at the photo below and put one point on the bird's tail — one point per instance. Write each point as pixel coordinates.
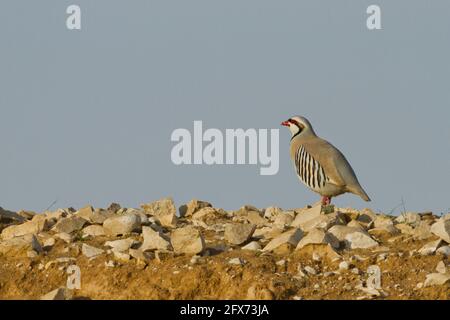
(365, 197)
(359, 191)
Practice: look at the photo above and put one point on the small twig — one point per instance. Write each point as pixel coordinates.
(51, 205)
(403, 204)
(395, 208)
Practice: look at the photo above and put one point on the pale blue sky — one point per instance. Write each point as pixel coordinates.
(86, 116)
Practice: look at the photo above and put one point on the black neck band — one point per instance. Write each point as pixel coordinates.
(299, 131)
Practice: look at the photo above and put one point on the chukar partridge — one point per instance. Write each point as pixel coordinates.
(319, 165)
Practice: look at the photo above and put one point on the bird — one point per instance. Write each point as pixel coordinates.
(320, 165)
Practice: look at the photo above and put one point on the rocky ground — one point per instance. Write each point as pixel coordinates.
(200, 252)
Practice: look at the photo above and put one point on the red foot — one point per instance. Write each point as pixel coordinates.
(326, 200)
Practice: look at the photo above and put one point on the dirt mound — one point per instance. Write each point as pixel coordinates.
(209, 253)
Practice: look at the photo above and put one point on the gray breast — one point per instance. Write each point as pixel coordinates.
(309, 170)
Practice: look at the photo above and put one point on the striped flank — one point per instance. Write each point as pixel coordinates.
(309, 170)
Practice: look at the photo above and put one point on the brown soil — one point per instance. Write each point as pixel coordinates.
(212, 277)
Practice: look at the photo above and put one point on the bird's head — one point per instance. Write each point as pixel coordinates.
(298, 125)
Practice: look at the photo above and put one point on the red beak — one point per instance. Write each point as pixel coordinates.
(286, 123)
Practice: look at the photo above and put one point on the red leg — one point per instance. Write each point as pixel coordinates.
(326, 200)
